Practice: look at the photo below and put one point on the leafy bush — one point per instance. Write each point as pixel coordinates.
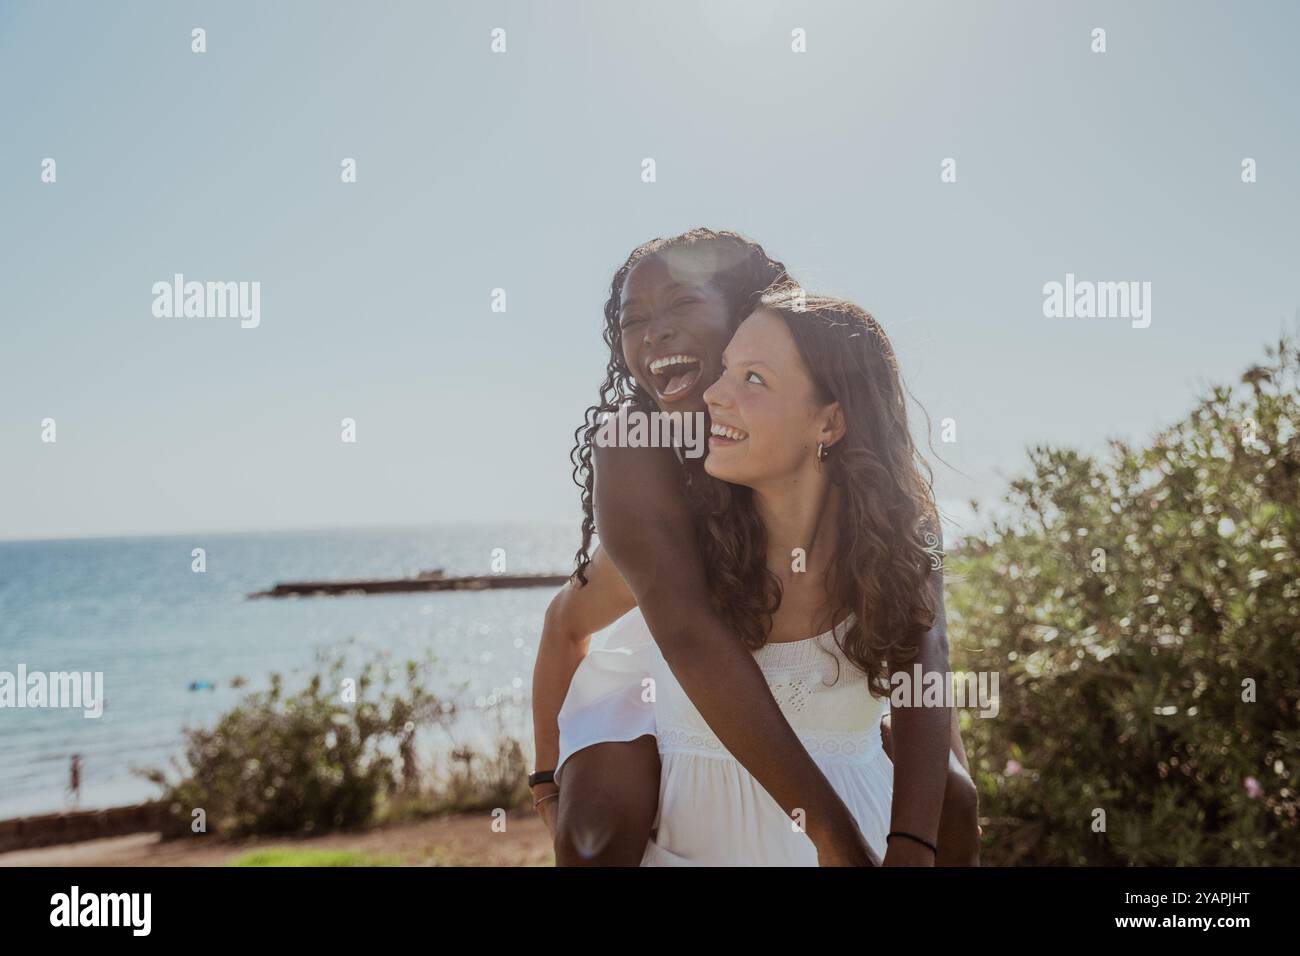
(1143, 615)
(307, 762)
(485, 782)
(470, 781)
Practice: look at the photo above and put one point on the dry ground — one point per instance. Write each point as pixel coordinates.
(465, 840)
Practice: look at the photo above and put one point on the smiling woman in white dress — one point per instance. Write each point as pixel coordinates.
(814, 479)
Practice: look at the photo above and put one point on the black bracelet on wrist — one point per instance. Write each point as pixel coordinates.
(541, 776)
(894, 833)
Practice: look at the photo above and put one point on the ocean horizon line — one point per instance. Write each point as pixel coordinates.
(298, 529)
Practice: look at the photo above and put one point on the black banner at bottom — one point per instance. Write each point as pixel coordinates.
(371, 905)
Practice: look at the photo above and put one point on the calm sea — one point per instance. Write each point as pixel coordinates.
(133, 609)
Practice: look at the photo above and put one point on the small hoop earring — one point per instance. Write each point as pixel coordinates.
(822, 451)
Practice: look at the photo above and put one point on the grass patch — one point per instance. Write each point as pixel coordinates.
(289, 856)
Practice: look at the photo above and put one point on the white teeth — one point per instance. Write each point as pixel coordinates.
(725, 431)
(660, 364)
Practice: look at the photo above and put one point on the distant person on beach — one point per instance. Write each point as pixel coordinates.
(74, 780)
(672, 309)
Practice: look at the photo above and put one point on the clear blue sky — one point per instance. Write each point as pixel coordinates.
(522, 171)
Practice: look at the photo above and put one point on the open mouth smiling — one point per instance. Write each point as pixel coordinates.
(675, 375)
(720, 434)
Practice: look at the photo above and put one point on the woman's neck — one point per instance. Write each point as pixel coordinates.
(800, 515)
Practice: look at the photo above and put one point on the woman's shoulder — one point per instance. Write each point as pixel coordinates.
(638, 468)
(636, 489)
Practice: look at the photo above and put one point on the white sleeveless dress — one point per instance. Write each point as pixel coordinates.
(712, 812)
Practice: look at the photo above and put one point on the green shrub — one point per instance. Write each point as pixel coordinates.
(485, 781)
(309, 762)
(1129, 606)
(468, 780)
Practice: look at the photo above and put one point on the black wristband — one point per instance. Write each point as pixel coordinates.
(894, 833)
(541, 776)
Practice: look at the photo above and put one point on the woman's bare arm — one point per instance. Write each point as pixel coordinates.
(646, 529)
(575, 613)
(922, 737)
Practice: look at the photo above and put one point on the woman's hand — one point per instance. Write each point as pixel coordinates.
(845, 846)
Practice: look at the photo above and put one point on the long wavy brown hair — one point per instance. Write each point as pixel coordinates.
(888, 524)
(741, 271)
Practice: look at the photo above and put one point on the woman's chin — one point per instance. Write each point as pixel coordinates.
(719, 470)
